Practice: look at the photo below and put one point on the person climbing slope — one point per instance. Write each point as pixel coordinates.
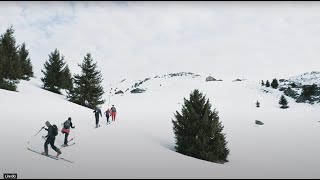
(66, 130)
(107, 113)
(96, 112)
(51, 137)
(113, 113)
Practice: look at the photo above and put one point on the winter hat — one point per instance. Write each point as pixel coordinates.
(48, 123)
(69, 118)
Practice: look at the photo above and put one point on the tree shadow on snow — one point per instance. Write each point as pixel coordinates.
(161, 141)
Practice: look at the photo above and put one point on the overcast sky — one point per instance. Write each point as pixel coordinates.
(140, 39)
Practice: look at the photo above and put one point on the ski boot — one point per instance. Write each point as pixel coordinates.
(44, 153)
(58, 153)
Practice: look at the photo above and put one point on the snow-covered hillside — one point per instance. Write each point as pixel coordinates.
(293, 87)
(140, 143)
(306, 78)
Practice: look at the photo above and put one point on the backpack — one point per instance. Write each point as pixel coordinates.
(107, 112)
(66, 124)
(54, 130)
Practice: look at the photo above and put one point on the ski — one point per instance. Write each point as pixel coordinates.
(61, 158)
(49, 156)
(52, 157)
(68, 141)
(62, 146)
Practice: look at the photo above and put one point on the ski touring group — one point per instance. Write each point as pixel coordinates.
(109, 112)
(53, 131)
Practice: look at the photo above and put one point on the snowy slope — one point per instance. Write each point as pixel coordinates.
(140, 144)
(307, 78)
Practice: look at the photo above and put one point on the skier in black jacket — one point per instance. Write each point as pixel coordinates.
(51, 137)
(96, 112)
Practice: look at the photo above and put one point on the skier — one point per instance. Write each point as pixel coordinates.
(107, 113)
(66, 130)
(96, 112)
(113, 113)
(51, 137)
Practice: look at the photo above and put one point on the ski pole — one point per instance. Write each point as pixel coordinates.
(36, 134)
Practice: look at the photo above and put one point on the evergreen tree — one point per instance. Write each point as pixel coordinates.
(53, 79)
(293, 85)
(258, 104)
(308, 91)
(10, 68)
(67, 82)
(1, 65)
(27, 69)
(283, 102)
(87, 89)
(262, 83)
(198, 131)
(274, 83)
(267, 84)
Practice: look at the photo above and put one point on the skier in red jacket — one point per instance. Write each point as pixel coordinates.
(113, 113)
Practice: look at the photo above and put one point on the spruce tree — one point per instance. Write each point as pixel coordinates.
(67, 82)
(54, 72)
(198, 131)
(262, 83)
(293, 85)
(283, 102)
(308, 90)
(1, 65)
(27, 69)
(87, 89)
(267, 84)
(274, 83)
(10, 67)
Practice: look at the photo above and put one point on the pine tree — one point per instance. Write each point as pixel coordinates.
(54, 72)
(308, 91)
(267, 84)
(283, 102)
(274, 83)
(10, 68)
(67, 82)
(27, 69)
(1, 65)
(198, 131)
(262, 83)
(87, 85)
(293, 85)
(258, 104)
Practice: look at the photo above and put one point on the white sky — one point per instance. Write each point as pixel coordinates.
(140, 39)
